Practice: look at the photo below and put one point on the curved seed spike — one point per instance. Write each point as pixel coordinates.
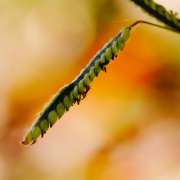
(74, 92)
(52, 118)
(77, 89)
(160, 13)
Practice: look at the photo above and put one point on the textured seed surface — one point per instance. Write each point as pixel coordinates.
(125, 34)
(36, 132)
(103, 59)
(108, 54)
(92, 74)
(52, 117)
(76, 90)
(81, 87)
(87, 80)
(60, 109)
(120, 44)
(28, 138)
(71, 97)
(115, 48)
(67, 103)
(44, 125)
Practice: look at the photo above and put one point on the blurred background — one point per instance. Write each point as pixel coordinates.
(128, 126)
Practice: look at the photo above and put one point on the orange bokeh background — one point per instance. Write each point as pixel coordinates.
(128, 125)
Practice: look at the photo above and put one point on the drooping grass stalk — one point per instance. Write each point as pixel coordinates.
(78, 88)
(160, 12)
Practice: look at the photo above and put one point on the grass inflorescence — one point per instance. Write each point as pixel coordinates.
(160, 12)
(76, 91)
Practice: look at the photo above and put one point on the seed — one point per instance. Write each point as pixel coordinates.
(52, 118)
(71, 97)
(97, 68)
(44, 125)
(91, 74)
(87, 80)
(81, 87)
(36, 132)
(60, 109)
(67, 103)
(28, 138)
(114, 48)
(125, 34)
(108, 54)
(75, 92)
(120, 44)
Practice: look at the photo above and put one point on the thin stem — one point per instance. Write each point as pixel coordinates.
(153, 24)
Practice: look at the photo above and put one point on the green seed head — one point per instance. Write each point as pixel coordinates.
(75, 91)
